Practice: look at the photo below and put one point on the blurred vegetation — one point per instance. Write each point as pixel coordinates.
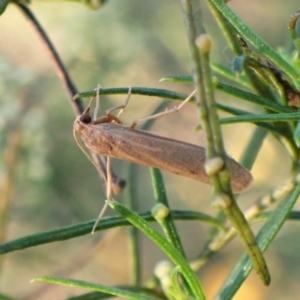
(47, 183)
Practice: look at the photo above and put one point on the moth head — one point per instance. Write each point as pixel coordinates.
(81, 122)
(85, 118)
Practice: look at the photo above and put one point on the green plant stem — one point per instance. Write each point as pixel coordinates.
(215, 147)
(247, 160)
(3, 5)
(254, 145)
(167, 223)
(264, 237)
(253, 118)
(122, 292)
(234, 42)
(165, 245)
(136, 274)
(293, 216)
(292, 30)
(229, 75)
(145, 91)
(255, 99)
(256, 41)
(80, 229)
(219, 241)
(230, 90)
(227, 29)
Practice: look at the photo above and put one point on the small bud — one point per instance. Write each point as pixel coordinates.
(221, 201)
(281, 191)
(160, 212)
(213, 165)
(162, 271)
(163, 268)
(203, 42)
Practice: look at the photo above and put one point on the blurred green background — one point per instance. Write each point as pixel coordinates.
(52, 184)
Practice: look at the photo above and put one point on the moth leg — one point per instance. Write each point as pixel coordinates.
(122, 107)
(166, 112)
(97, 106)
(126, 102)
(85, 116)
(109, 117)
(100, 162)
(109, 194)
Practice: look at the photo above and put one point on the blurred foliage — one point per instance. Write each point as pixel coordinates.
(124, 43)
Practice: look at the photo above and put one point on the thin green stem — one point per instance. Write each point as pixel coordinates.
(136, 277)
(134, 91)
(265, 237)
(161, 213)
(254, 145)
(167, 222)
(84, 228)
(215, 148)
(253, 118)
(165, 245)
(250, 97)
(227, 29)
(257, 41)
(230, 75)
(292, 30)
(263, 203)
(121, 292)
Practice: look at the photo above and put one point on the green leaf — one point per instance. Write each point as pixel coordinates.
(253, 98)
(257, 41)
(167, 222)
(179, 78)
(163, 244)
(73, 231)
(5, 297)
(264, 238)
(3, 5)
(95, 287)
(145, 91)
(253, 118)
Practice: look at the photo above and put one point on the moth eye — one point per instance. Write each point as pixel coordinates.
(86, 119)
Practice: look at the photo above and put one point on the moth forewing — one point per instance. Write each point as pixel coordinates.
(144, 148)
